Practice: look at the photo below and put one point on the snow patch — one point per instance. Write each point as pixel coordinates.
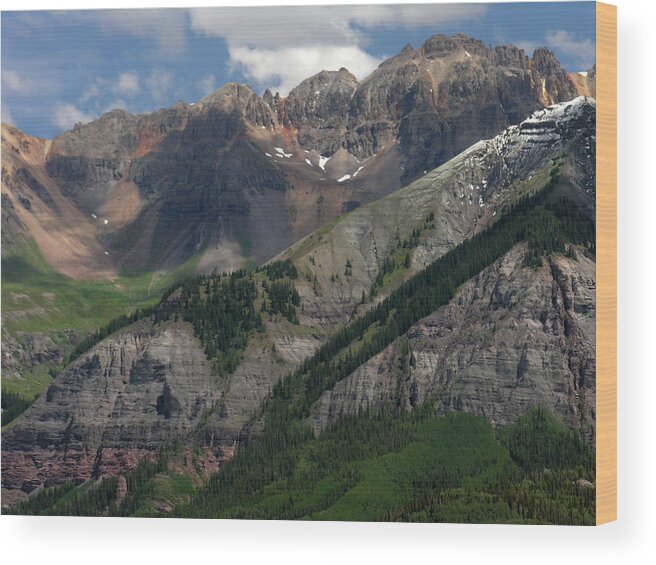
(105, 222)
(356, 172)
(322, 162)
(345, 177)
(94, 216)
(308, 162)
(268, 155)
(282, 153)
(106, 253)
(583, 73)
(468, 55)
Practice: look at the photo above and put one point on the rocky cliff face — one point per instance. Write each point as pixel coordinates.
(513, 337)
(435, 100)
(319, 108)
(144, 388)
(132, 394)
(585, 81)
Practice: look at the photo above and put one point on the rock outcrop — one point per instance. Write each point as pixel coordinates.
(446, 95)
(319, 108)
(134, 393)
(512, 338)
(585, 81)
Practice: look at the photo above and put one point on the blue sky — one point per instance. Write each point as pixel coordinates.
(59, 68)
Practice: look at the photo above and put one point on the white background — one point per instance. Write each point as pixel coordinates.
(630, 539)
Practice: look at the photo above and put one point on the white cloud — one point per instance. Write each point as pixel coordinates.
(207, 85)
(67, 115)
(278, 46)
(280, 26)
(581, 51)
(285, 68)
(412, 15)
(11, 80)
(128, 84)
(159, 84)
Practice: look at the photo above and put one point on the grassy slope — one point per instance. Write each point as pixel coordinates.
(35, 298)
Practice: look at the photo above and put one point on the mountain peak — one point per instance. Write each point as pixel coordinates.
(442, 45)
(545, 61)
(229, 91)
(323, 78)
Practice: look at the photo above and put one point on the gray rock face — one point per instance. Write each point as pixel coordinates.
(26, 350)
(512, 338)
(446, 95)
(112, 135)
(139, 390)
(130, 395)
(319, 106)
(93, 154)
(244, 390)
(511, 57)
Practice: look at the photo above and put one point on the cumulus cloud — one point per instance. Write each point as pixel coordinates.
(286, 68)
(66, 115)
(99, 89)
(128, 84)
(277, 50)
(311, 25)
(581, 51)
(14, 82)
(159, 84)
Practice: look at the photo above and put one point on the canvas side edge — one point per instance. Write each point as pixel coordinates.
(606, 335)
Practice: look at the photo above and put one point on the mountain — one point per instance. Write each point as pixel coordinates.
(452, 291)
(105, 217)
(147, 192)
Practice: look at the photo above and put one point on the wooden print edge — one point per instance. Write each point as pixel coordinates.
(606, 335)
